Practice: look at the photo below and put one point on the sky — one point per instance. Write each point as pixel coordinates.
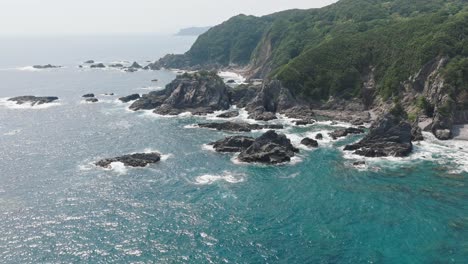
(82, 17)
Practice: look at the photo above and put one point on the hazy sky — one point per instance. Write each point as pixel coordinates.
(129, 16)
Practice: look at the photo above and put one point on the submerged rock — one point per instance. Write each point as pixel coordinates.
(389, 136)
(133, 160)
(99, 65)
(233, 144)
(88, 95)
(270, 148)
(92, 100)
(89, 62)
(319, 136)
(304, 122)
(238, 127)
(117, 65)
(129, 98)
(345, 132)
(229, 114)
(309, 143)
(33, 100)
(48, 66)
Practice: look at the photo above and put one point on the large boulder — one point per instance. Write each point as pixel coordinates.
(33, 100)
(88, 95)
(238, 127)
(133, 160)
(98, 65)
(389, 136)
(270, 148)
(129, 98)
(309, 143)
(233, 144)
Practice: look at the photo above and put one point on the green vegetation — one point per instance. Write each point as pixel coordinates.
(326, 52)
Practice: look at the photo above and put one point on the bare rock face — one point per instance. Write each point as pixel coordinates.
(199, 93)
(233, 144)
(270, 148)
(129, 98)
(389, 136)
(33, 100)
(133, 160)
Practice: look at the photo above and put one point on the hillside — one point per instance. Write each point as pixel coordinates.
(373, 50)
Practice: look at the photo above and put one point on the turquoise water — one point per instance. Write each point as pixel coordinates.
(197, 206)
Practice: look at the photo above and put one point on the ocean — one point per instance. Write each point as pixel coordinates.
(198, 206)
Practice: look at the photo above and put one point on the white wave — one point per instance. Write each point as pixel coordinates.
(27, 68)
(118, 167)
(446, 153)
(230, 177)
(12, 132)
(13, 105)
(208, 147)
(227, 75)
(151, 88)
(164, 157)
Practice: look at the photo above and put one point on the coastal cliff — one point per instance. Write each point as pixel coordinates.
(354, 55)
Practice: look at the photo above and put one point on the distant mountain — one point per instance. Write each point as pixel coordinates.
(192, 31)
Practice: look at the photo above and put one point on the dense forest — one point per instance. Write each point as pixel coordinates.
(325, 52)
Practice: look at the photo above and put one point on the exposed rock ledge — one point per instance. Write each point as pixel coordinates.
(133, 160)
(270, 148)
(33, 100)
(238, 127)
(389, 136)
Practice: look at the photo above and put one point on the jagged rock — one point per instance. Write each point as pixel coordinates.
(33, 100)
(135, 65)
(89, 62)
(270, 148)
(416, 132)
(299, 112)
(359, 163)
(153, 66)
(92, 100)
(88, 95)
(199, 93)
(389, 136)
(273, 97)
(233, 144)
(345, 132)
(229, 114)
(309, 143)
(129, 98)
(262, 116)
(99, 65)
(230, 81)
(238, 127)
(133, 160)
(319, 136)
(243, 94)
(48, 66)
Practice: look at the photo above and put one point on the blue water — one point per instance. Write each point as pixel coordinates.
(197, 206)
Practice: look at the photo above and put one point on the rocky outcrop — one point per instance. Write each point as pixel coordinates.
(48, 66)
(345, 132)
(92, 100)
(33, 100)
(238, 127)
(133, 160)
(270, 148)
(309, 143)
(229, 114)
(116, 65)
(99, 65)
(129, 98)
(261, 115)
(88, 95)
(233, 144)
(319, 136)
(389, 136)
(199, 93)
(89, 62)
